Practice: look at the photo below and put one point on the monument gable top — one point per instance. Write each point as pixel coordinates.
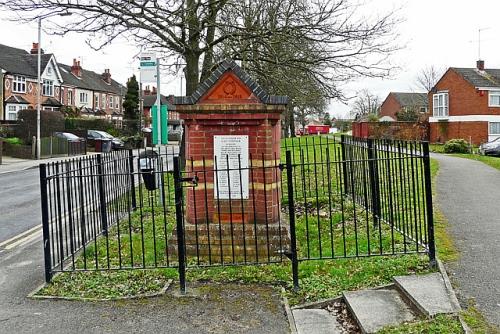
(230, 82)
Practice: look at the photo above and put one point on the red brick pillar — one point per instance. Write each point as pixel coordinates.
(236, 207)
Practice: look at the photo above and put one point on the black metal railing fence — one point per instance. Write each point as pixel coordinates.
(323, 198)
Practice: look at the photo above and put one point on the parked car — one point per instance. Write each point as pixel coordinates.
(491, 148)
(68, 136)
(116, 143)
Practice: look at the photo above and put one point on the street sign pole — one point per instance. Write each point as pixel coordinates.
(158, 103)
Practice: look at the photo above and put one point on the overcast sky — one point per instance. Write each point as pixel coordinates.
(442, 33)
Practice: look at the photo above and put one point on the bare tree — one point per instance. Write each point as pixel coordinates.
(365, 103)
(341, 43)
(428, 77)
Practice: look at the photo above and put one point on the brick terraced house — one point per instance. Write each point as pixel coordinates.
(465, 103)
(95, 95)
(19, 84)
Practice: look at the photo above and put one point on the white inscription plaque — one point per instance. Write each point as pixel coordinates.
(231, 182)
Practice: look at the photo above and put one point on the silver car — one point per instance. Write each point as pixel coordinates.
(491, 148)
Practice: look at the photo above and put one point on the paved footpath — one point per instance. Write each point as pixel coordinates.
(468, 193)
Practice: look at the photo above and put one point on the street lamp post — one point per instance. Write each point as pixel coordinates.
(39, 79)
(38, 93)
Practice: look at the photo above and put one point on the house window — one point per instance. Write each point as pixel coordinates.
(494, 128)
(48, 88)
(440, 104)
(111, 102)
(19, 84)
(12, 113)
(423, 109)
(494, 100)
(84, 97)
(96, 101)
(117, 102)
(70, 98)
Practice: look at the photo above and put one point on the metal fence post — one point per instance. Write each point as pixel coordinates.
(428, 204)
(180, 226)
(374, 181)
(45, 223)
(291, 212)
(344, 164)
(102, 195)
(132, 178)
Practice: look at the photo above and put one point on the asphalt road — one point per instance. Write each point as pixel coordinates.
(19, 202)
(468, 193)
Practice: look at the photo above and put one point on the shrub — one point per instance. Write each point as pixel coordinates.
(13, 141)
(456, 146)
(50, 122)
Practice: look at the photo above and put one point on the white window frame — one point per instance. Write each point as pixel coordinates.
(19, 84)
(494, 93)
(13, 109)
(490, 132)
(48, 87)
(440, 104)
(70, 98)
(96, 101)
(84, 97)
(117, 102)
(111, 102)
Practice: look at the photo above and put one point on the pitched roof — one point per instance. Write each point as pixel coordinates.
(18, 61)
(150, 100)
(16, 99)
(228, 65)
(90, 80)
(411, 99)
(487, 78)
(51, 102)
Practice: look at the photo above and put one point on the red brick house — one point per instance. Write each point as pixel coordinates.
(95, 95)
(397, 102)
(465, 103)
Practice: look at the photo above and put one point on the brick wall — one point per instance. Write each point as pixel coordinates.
(263, 132)
(444, 131)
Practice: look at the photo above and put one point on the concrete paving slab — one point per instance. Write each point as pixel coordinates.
(375, 309)
(315, 321)
(427, 292)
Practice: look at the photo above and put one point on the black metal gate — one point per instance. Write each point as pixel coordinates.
(323, 198)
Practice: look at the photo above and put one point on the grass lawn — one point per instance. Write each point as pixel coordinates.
(142, 240)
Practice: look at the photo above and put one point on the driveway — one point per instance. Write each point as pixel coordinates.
(468, 193)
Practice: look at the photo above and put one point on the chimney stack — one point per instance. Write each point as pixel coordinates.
(106, 76)
(480, 65)
(147, 91)
(76, 69)
(34, 49)
(154, 91)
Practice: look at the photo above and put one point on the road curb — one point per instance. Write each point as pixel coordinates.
(33, 295)
(453, 296)
(288, 312)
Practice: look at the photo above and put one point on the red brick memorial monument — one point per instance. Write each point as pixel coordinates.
(232, 141)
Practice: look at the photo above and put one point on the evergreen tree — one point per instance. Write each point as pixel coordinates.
(131, 102)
